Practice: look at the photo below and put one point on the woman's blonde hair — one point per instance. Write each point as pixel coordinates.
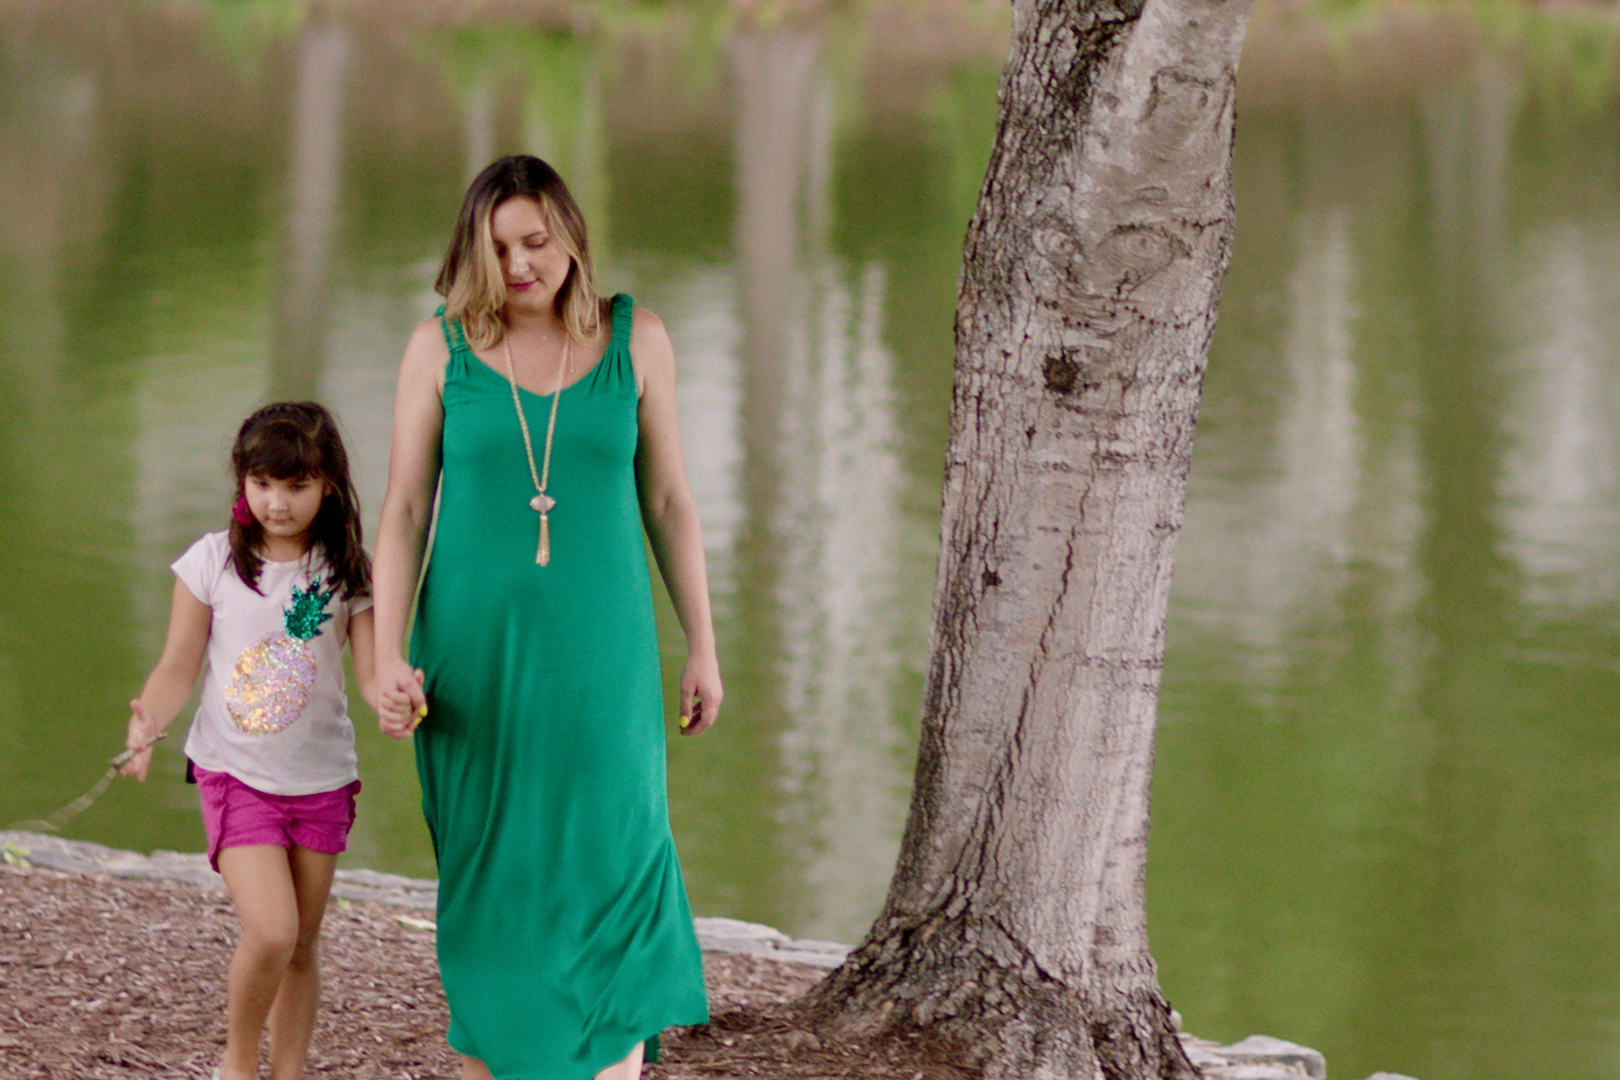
(470, 279)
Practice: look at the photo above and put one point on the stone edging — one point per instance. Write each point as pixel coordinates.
(1259, 1057)
(417, 894)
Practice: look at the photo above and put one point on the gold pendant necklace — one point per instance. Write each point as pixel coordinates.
(541, 502)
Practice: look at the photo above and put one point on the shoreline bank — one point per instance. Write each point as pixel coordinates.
(414, 894)
(101, 949)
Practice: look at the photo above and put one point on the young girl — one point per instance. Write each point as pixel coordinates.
(270, 602)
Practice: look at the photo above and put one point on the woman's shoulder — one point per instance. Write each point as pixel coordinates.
(643, 320)
(647, 331)
(650, 351)
(427, 341)
(427, 354)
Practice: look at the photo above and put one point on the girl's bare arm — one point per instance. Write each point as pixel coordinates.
(169, 686)
(363, 648)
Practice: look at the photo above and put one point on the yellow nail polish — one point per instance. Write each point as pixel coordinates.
(421, 710)
(686, 721)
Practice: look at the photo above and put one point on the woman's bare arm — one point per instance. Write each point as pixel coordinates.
(407, 511)
(670, 515)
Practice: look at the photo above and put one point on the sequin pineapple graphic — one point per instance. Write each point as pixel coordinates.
(275, 674)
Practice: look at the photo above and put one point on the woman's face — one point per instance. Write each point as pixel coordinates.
(533, 262)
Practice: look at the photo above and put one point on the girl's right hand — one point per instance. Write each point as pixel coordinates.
(401, 702)
(140, 735)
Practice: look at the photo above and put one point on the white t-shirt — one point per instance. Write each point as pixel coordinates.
(273, 713)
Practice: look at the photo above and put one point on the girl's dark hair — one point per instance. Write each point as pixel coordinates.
(291, 440)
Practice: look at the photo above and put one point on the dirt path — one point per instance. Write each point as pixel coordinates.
(113, 978)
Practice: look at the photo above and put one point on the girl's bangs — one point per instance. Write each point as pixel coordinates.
(282, 453)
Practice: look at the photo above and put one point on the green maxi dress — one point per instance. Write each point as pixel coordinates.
(564, 932)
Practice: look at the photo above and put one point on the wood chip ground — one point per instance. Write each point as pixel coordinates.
(114, 978)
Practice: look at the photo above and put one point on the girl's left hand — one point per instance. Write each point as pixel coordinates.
(138, 740)
(701, 694)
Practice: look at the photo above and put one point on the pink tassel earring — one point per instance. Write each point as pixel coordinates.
(240, 511)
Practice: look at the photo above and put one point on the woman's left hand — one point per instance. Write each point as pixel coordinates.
(670, 514)
(701, 694)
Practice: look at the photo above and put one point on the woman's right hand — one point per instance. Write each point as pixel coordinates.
(401, 702)
(402, 528)
(139, 740)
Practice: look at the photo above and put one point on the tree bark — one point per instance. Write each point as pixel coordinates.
(1015, 922)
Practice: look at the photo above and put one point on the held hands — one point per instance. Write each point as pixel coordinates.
(401, 702)
(700, 694)
(142, 733)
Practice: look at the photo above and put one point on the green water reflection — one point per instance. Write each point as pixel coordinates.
(1387, 767)
(1387, 819)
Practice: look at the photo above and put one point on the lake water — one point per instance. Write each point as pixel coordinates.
(1387, 803)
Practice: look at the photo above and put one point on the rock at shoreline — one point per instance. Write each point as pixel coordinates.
(757, 939)
(1259, 1057)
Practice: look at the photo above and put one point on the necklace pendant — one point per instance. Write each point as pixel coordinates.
(542, 554)
(542, 503)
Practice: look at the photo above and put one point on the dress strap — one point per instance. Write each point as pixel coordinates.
(622, 315)
(453, 337)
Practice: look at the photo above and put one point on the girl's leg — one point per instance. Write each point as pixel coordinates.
(292, 1018)
(260, 881)
(628, 1069)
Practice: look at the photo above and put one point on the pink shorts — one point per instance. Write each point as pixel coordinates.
(235, 815)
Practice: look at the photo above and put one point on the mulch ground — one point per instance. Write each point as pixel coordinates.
(117, 978)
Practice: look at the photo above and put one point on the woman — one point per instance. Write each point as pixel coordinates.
(565, 941)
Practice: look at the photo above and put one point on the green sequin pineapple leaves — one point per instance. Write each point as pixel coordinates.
(274, 675)
(307, 611)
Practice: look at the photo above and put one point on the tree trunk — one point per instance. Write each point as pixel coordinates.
(1015, 923)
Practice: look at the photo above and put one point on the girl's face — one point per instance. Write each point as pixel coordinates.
(533, 262)
(285, 508)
